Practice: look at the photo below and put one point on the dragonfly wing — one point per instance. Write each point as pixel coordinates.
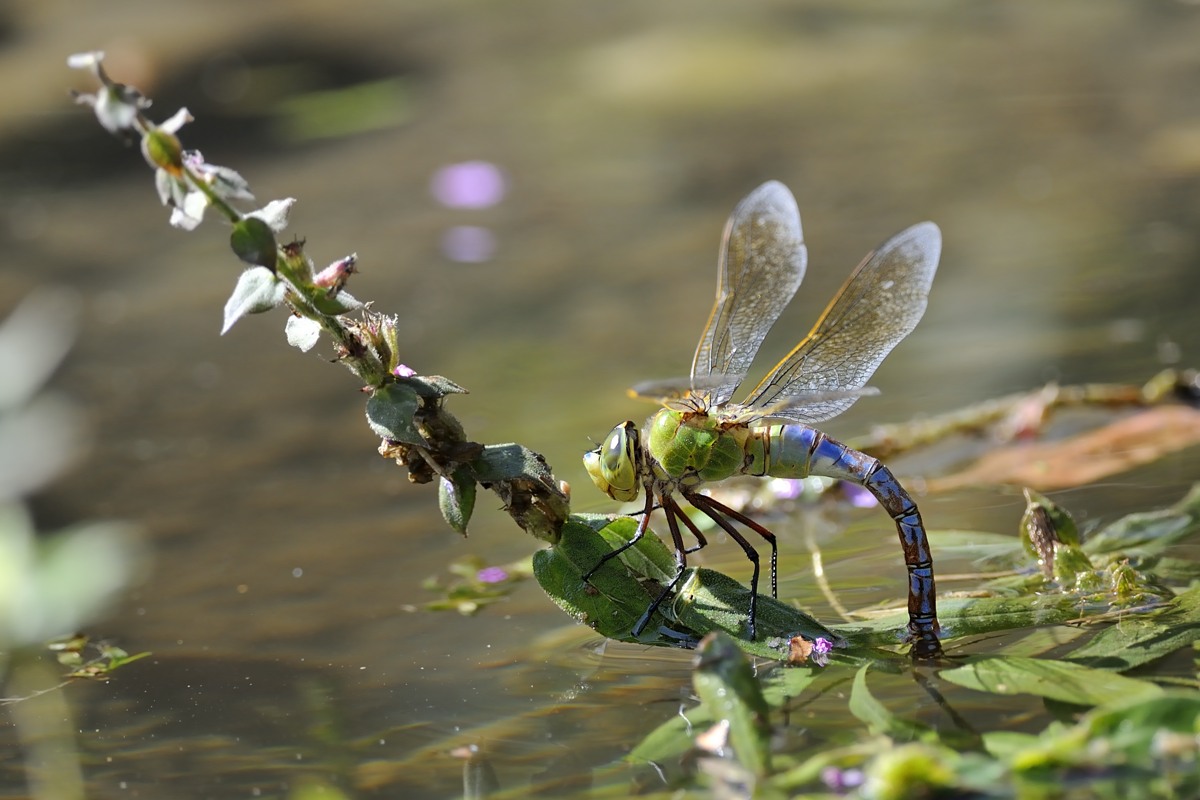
(878, 306)
(680, 389)
(761, 264)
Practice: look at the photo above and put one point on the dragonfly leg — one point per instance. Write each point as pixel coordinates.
(672, 511)
(761, 531)
(643, 524)
(715, 511)
(701, 542)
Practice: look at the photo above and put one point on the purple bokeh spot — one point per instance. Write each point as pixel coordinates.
(841, 780)
(470, 184)
(492, 575)
(858, 496)
(785, 488)
(470, 244)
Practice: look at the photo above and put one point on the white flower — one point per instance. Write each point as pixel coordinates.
(117, 106)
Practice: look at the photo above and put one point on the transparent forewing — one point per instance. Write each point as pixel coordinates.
(680, 392)
(761, 265)
(878, 306)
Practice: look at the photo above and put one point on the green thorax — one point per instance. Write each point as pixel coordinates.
(695, 444)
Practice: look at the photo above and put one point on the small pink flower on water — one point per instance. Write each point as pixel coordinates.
(404, 371)
(821, 650)
(492, 575)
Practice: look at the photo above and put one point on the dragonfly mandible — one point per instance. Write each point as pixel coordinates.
(700, 436)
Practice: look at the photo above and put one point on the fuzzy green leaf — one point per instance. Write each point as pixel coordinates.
(254, 242)
(390, 413)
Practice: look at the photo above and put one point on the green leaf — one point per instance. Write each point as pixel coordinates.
(876, 715)
(1134, 724)
(257, 290)
(621, 590)
(456, 498)
(614, 598)
(432, 387)
(1137, 640)
(977, 545)
(254, 242)
(672, 738)
(506, 462)
(711, 601)
(1058, 680)
(726, 684)
(969, 616)
(1129, 740)
(390, 411)
(1152, 531)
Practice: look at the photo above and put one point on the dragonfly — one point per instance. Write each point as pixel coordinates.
(699, 437)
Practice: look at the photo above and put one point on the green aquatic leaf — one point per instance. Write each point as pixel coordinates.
(672, 738)
(976, 615)
(726, 684)
(1149, 532)
(618, 593)
(876, 716)
(1139, 640)
(649, 558)
(1057, 680)
(980, 546)
(913, 770)
(614, 598)
(1136, 741)
(711, 601)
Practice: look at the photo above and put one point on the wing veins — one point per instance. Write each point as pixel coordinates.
(760, 267)
(875, 309)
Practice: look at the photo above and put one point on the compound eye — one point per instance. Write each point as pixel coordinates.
(613, 466)
(616, 453)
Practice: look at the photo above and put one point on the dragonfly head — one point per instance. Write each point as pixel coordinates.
(613, 466)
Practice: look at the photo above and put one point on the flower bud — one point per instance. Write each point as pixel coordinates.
(163, 150)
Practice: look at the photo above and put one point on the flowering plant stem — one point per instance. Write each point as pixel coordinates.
(406, 410)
